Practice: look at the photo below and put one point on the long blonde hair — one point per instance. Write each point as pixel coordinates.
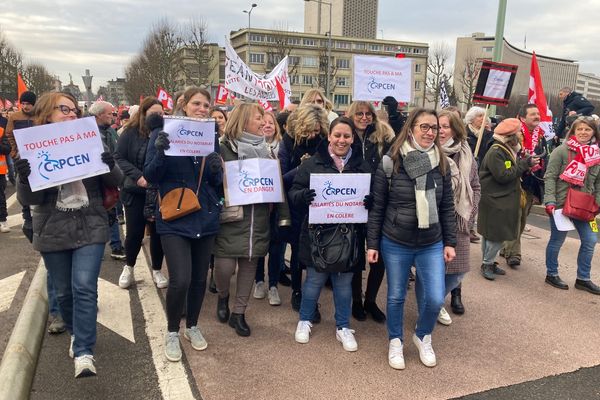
(309, 96)
(238, 118)
(301, 123)
(383, 131)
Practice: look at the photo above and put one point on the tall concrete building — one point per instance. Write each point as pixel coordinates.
(589, 86)
(349, 18)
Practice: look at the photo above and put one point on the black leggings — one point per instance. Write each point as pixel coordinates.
(136, 226)
(187, 261)
(374, 279)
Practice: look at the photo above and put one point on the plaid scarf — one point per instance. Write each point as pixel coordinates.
(586, 156)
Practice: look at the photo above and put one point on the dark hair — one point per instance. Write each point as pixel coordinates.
(191, 92)
(345, 121)
(139, 119)
(282, 118)
(524, 108)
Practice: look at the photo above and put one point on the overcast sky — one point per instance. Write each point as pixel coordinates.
(72, 35)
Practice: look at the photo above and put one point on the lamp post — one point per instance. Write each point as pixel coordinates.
(249, 12)
(327, 73)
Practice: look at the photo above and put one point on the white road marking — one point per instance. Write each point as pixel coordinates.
(8, 289)
(11, 200)
(172, 377)
(14, 220)
(114, 309)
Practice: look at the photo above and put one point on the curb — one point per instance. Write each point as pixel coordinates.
(20, 357)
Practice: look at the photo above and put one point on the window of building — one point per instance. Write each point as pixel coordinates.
(417, 102)
(341, 99)
(308, 42)
(293, 60)
(404, 49)
(257, 58)
(294, 80)
(390, 48)
(256, 37)
(488, 49)
(274, 59)
(417, 85)
(342, 45)
(342, 81)
(418, 68)
(375, 47)
(342, 63)
(310, 61)
(360, 46)
(293, 41)
(307, 79)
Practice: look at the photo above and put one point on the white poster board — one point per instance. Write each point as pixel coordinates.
(339, 199)
(62, 152)
(190, 136)
(497, 83)
(375, 78)
(252, 181)
(563, 223)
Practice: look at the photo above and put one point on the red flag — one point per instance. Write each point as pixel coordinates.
(222, 94)
(21, 87)
(284, 101)
(164, 98)
(265, 104)
(537, 97)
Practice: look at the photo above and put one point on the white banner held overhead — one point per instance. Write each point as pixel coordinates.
(190, 136)
(239, 78)
(378, 77)
(339, 199)
(252, 181)
(62, 152)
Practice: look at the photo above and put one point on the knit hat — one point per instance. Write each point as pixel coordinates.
(28, 97)
(509, 126)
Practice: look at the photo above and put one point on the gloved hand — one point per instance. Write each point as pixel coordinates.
(309, 195)
(391, 104)
(214, 163)
(23, 169)
(154, 121)
(162, 142)
(368, 201)
(108, 159)
(550, 207)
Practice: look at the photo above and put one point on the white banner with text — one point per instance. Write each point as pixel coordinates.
(190, 136)
(253, 181)
(339, 199)
(378, 77)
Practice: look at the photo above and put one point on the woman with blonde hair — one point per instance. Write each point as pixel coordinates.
(374, 138)
(306, 127)
(316, 97)
(240, 243)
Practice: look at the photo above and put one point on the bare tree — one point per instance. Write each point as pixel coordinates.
(37, 78)
(321, 81)
(467, 80)
(437, 71)
(11, 62)
(281, 46)
(197, 49)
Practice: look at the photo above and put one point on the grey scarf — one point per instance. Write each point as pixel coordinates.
(72, 196)
(249, 145)
(417, 164)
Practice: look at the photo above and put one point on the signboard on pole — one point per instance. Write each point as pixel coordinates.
(252, 181)
(495, 83)
(62, 152)
(339, 199)
(378, 77)
(190, 136)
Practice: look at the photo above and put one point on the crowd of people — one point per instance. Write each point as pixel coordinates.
(437, 179)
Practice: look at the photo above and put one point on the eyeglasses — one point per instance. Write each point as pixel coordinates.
(361, 114)
(426, 127)
(318, 101)
(66, 109)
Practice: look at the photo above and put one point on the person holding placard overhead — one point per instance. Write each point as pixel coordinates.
(242, 241)
(335, 155)
(574, 166)
(187, 240)
(70, 230)
(412, 222)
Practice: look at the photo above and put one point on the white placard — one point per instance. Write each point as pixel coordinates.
(378, 77)
(496, 84)
(190, 136)
(61, 152)
(340, 198)
(253, 181)
(562, 222)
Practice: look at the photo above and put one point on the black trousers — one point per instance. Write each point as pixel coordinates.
(187, 261)
(374, 279)
(3, 210)
(136, 226)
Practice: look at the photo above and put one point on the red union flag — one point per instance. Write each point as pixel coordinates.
(537, 97)
(164, 98)
(266, 105)
(222, 94)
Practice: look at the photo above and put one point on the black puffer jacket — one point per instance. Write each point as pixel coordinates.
(322, 163)
(370, 150)
(131, 155)
(394, 211)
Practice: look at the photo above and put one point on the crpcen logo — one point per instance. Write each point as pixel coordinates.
(374, 85)
(48, 165)
(330, 190)
(250, 184)
(182, 131)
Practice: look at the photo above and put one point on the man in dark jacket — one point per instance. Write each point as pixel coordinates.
(573, 104)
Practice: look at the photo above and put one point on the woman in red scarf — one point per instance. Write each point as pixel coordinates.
(576, 164)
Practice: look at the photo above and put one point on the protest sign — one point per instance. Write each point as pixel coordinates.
(495, 83)
(252, 181)
(62, 152)
(378, 77)
(339, 199)
(190, 136)
(222, 94)
(241, 79)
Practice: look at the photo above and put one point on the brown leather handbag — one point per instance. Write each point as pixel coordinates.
(180, 202)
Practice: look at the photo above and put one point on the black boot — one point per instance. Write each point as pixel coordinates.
(223, 309)
(212, 285)
(238, 322)
(456, 301)
(317, 315)
(376, 313)
(358, 311)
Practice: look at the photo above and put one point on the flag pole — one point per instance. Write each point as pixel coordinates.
(480, 134)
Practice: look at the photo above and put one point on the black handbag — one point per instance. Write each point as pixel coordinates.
(333, 247)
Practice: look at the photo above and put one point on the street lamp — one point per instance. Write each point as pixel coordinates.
(249, 12)
(327, 77)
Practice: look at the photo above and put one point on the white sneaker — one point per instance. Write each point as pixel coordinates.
(346, 336)
(195, 337)
(160, 280)
(84, 366)
(260, 290)
(71, 353)
(444, 318)
(126, 278)
(426, 353)
(303, 332)
(396, 354)
(274, 298)
(4, 228)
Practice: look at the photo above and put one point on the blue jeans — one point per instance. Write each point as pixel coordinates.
(53, 308)
(588, 241)
(453, 280)
(342, 295)
(74, 275)
(276, 263)
(430, 268)
(115, 237)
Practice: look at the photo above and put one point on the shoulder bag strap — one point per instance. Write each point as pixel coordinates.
(201, 173)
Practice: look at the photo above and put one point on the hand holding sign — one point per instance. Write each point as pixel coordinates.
(189, 136)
